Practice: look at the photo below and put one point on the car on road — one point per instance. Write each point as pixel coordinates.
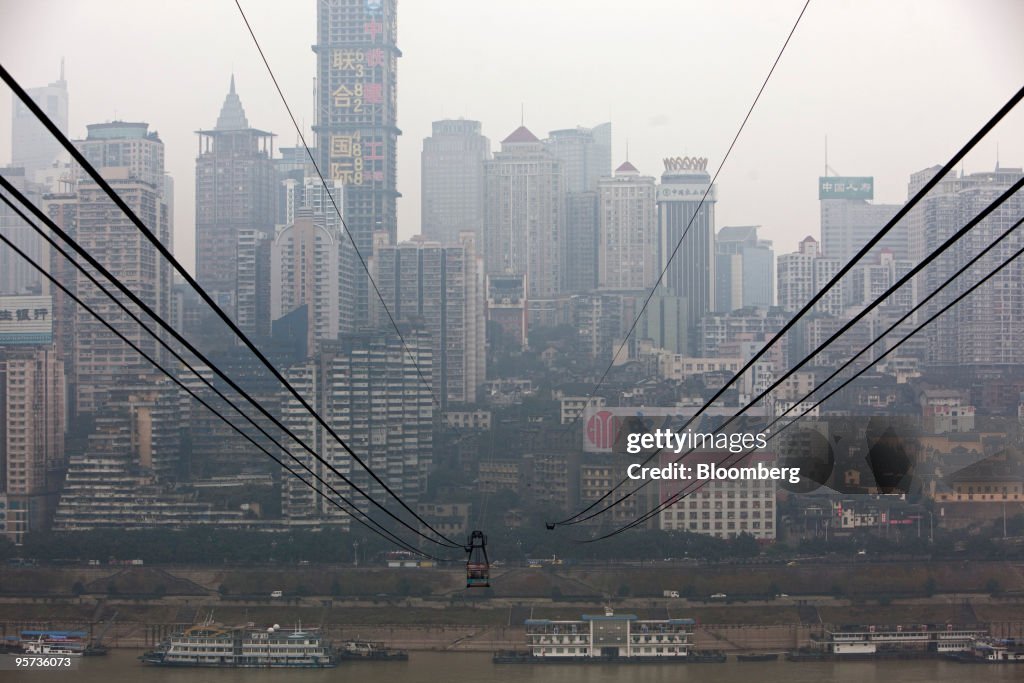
(718, 596)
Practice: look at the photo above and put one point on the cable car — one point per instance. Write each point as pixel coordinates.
(478, 569)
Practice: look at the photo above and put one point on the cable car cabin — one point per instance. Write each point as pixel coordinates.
(478, 569)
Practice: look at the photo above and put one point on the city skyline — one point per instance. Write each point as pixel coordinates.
(817, 89)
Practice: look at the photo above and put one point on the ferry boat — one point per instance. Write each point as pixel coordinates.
(364, 650)
(50, 649)
(209, 645)
(609, 637)
(899, 641)
(992, 651)
(758, 657)
(64, 643)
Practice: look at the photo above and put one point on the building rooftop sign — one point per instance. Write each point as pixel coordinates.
(25, 320)
(841, 187)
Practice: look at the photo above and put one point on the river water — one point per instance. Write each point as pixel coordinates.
(122, 666)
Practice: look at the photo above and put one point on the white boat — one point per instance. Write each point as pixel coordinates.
(41, 647)
(209, 645)
(993, 651)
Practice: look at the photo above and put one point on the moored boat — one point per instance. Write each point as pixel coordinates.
(758, 657)
(209, 645)
(364, 650)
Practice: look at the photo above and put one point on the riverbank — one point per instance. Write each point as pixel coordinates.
(765, 608)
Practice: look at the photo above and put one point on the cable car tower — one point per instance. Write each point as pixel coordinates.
(478, 569)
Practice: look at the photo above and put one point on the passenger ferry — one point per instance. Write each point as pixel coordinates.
(900, 641)
(619, 638)
(64, 643)
(43, 647)
(367, 651)
(209, 645)
(993, 651)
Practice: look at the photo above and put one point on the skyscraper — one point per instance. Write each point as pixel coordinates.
(849, 220)
(131, 158)
(367, 388)
(235, 183)
(441, 289)
(584, 156)
(524, 214)
(17, 276)
(579, 243)
(691, 273)
(986, 327)
(32, 419)
(305, 271)
(452, 180)
(627, 230)
(803, 274)
(32, 146)
(356, 115)
(744, 268)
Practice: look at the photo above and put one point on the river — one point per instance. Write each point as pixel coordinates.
(122, 666)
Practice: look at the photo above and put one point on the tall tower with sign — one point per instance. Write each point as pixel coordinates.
(356, 116)
(691, 272)
(849, 219)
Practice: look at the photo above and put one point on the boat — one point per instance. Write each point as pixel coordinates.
(706, 657)
(50, 649)
(992, 651)
(512, 657)
(758, 657)
(364, 650)
(211, 645)
(527, 657)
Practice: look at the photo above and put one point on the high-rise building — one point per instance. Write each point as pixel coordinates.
(748, 506)
(601, 320)
(868, 281)
(744, 269)
(235, 193)
(439, 288)
(579, 245)
(452, 180)
(32, 146)
(803, 274)
(664, 322)
(307, 196)
(627, 230)
(849, 220)
(524, 214)
(131, 159)
(306, 271)
(507, 307)
(356, 116)
(17, 276)
(985, 328)
(691, 272)
(32, 418)
(367, 387)
(585, 155)
(131, 459)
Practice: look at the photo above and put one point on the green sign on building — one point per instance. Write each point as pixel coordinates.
(840, 187)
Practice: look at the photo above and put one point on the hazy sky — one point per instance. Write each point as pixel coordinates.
(896, 86)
